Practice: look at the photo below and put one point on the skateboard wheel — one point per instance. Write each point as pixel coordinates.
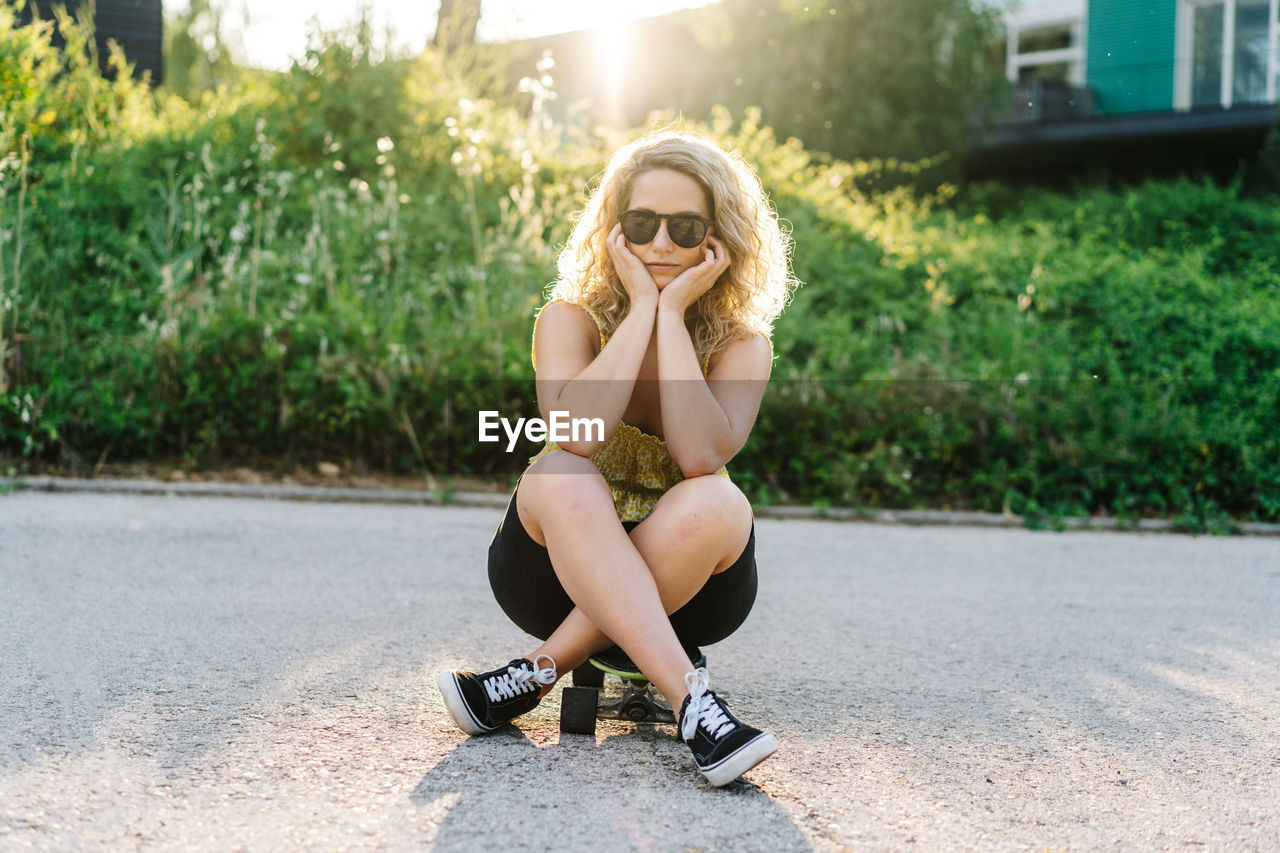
(637, 711)
(578, 710)
(588, 676)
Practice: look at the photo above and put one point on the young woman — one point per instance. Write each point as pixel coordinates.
(659, 326)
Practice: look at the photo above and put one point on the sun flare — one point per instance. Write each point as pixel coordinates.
(612, 40)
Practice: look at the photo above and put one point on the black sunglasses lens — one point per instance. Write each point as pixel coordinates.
(639, 227)
(686, 231)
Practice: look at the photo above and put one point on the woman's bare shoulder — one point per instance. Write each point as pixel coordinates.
(561, 312)
(566, 319)
(747, 357)
(565, 328)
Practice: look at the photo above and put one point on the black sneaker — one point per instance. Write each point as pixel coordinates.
(723, 745)
(486, 701)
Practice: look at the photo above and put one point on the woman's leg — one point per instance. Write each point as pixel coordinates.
(625, 586)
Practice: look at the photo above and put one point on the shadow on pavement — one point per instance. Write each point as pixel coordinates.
(635, 789)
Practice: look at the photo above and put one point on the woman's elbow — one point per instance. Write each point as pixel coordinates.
(698, 464)
(580, 448)
(707, 459)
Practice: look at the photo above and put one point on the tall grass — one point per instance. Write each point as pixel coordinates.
(343, 261)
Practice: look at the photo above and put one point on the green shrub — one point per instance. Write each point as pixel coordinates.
(289, 273)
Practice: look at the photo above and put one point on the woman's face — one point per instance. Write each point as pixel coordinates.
(665, 191)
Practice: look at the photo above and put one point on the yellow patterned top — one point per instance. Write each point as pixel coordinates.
(635, 464)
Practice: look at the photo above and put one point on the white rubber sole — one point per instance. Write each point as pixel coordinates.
(452, 693)
(748, 755)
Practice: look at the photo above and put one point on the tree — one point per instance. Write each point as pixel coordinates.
(861, 78)
(197, 57)
(456, 24)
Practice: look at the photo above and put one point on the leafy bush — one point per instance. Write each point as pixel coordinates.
(289, 273)
(1114, 353)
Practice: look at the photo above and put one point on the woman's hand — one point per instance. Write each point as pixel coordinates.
(686, 288)
(636, 280)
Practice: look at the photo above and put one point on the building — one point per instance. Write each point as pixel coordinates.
(1135, 85)
(136, 25)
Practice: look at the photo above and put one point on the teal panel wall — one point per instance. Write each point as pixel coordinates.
(1129, 55)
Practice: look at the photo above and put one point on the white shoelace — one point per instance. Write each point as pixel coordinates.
(518, 680)
(703, 709)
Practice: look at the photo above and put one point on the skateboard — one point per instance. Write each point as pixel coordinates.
(585, 702)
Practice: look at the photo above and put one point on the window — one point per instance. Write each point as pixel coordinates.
(1206, 54)
(1046, 41)
(1046, 38)
(1056, 72)
(1228, 53)
(1253, 37)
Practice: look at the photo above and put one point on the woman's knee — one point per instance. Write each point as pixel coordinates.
(560, 485)
(710, 506)
(713, 498)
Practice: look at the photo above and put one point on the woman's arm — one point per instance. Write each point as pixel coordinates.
(571, 377)
(705, 422)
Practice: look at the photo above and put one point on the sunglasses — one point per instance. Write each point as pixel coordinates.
(687, 230)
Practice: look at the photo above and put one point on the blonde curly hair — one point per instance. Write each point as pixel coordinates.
(748, 296)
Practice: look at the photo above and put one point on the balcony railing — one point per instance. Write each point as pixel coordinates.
(1040, 101)
(1121, 88)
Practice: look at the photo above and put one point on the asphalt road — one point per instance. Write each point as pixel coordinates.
(216, 674)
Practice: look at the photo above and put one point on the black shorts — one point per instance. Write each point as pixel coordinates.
(528, 591)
